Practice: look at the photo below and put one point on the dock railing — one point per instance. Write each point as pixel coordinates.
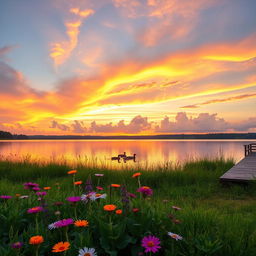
(249, 148)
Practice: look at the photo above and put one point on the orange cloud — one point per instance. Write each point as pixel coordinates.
(234, 98)
(61, 51)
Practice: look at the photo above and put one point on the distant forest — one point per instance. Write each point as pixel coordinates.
(9, 136)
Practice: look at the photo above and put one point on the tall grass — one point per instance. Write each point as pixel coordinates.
(215, 219)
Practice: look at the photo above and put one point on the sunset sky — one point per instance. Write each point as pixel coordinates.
(127, 66)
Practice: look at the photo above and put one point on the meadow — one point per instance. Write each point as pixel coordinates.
(164, 210)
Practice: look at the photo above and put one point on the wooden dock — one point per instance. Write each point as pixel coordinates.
(245, 170)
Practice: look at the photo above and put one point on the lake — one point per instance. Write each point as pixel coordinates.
(99, 152)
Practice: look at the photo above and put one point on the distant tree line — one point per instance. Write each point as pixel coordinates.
(9, 136)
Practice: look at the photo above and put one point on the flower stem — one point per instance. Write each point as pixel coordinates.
(36, 224)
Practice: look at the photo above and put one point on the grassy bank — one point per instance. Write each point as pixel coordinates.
(213, 220)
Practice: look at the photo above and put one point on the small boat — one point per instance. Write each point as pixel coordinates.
(116, 158)
(122, 155)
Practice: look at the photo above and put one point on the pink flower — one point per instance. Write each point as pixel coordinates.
(176, 208)
(61, 223)
(35, 209)
(5, 197)
(17, 245)
(99, 188)
(146, 191)
(132, 195)
(151, 244)
(99, 175)
(74, 199)
(43, 193)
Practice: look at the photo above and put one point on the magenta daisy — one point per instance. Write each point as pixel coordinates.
(35, 209)
(151, 244)
(17, 245)
(73, 199)
(30, 185)
(43, 193)
(146, 191)
(5, 197)
(61, 223)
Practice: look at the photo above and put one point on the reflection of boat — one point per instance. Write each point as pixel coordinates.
(124, 157)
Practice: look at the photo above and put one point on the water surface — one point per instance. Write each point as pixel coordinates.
(99, 152)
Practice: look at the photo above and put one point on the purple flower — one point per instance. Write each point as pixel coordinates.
(61, 223)
(73, 199)
(36, 188)
(151, 244)
(30, 185)
(43, 193)
(5, 197)
(146, 191)
(17, 245)
(99, 174)
(132, 195)
(35, 209)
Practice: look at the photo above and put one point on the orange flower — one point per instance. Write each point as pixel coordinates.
(17, 195)
(47, 188)
(78, 182)
(137, 174)
(72, 172)
(109, 207)
(81, 223)
(36, 240)
(119, 212)
(115, 186)
(61, 247)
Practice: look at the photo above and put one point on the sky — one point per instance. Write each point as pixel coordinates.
(110, 67)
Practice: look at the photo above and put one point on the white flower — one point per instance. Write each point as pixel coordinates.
(22, 197)
(99, 174)
(52, 226)
(175, 236)
(95, 196)
(176, 208)
(87, 251)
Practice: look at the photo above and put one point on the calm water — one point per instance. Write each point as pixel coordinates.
(99, 152)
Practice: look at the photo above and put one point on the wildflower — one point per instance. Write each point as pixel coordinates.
(58, 203)
(135, 209)
(132, 195)
(151, 244)
(17, 245)
(61, 223)
(146, 191)
(36, 240)
(175, 236)
(35, 209)
(137, 174)
(43, 193)
(119, 212)
(99, 174)
(109, 207)
(81, 223)
(176, 221)
(23, 197)
(61, 247)
(99, 188)
(73, 199)
(57, 213)
(92, 196)
(171, 216)
(88, 185)
(176, 208)
(115, 186)
(87, 252)
(78, 182)
(30, 185)
(35, 188)
(5, 197)
(165, 201)
(72, 172)
(47, 188)
(17, 195)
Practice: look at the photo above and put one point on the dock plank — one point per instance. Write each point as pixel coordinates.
(243, 171)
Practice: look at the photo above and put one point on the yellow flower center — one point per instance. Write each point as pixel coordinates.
(151, 244)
